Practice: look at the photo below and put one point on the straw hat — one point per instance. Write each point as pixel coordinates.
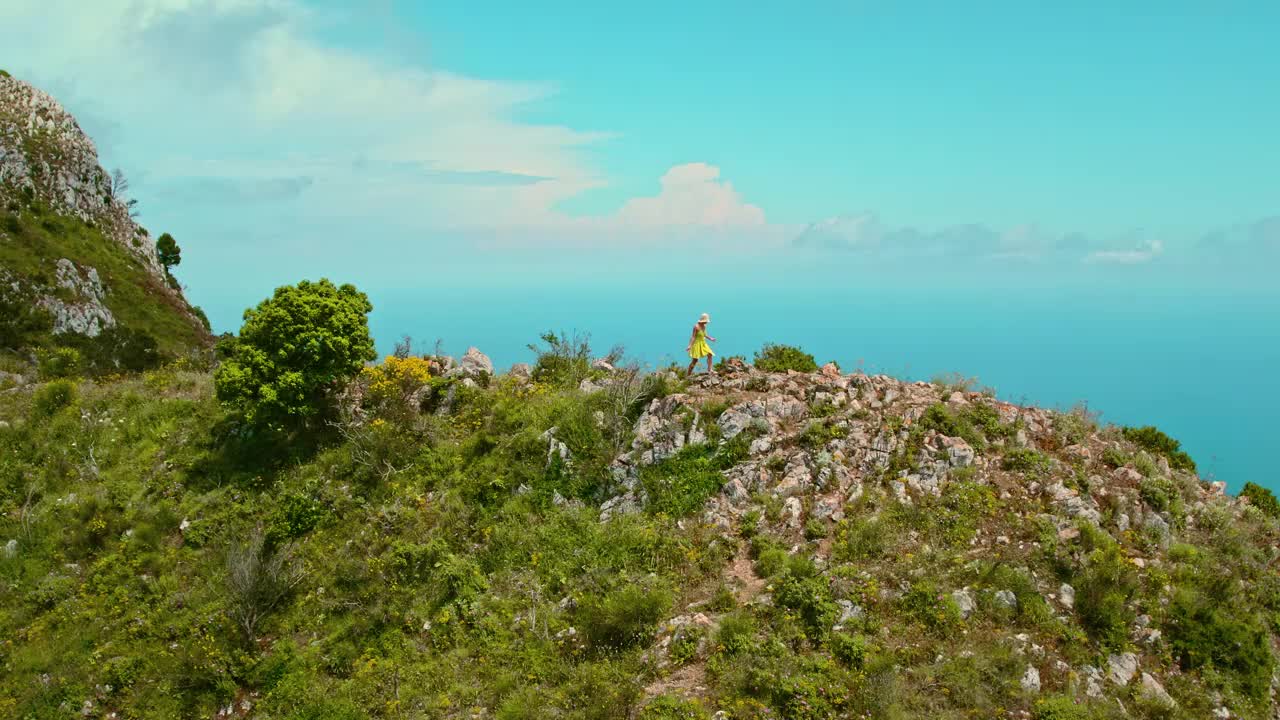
(704, 319)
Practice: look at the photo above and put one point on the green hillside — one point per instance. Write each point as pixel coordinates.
(440, 550)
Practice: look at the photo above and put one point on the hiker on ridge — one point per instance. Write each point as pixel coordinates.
(698, 347)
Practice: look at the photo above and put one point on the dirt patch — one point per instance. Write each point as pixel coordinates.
(688, 681)
(742, 577)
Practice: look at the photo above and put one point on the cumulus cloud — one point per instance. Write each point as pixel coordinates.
(691, 194)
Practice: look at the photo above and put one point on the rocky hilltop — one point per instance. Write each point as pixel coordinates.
(68, 242)
(579, 539)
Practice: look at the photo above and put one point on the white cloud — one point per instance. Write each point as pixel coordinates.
(1143, 253)
(232, 100)
(691, 194)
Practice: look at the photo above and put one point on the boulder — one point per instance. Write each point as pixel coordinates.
(1152, 690)
(1067, 596)
(1031, 680)
(10, 548)
(1121, 668)
(521, 371)
(964, 601)
(474, 364)
(1006, 599)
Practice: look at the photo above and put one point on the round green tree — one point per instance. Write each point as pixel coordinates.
(168, 251)
(295, 350)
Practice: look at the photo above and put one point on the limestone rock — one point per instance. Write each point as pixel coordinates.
(521, 371)
(1006, 599)
(965, 602)
(1031, 679)
(1121, 668)
(1152, 690)
(1067, 596)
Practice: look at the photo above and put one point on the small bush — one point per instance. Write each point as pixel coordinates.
(1261, 498)
(1060, 707)
(563, 361)
(809, 596)
(670, 707)
(1104, 590)
(1162, 495)
(53, 397)
(1114, 458)
(781, 358)
(849, 649)
(1025, 460)
(862, 539)
(1202, 632)
(681, 484)
(1157, 442)
(935, 610)
(623, 618)
(736, 634)
(258, 578)
(58, 363)
(820, 432)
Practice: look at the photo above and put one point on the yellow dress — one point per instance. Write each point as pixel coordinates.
(700, 349)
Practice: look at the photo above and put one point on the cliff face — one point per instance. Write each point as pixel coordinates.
(67, 239)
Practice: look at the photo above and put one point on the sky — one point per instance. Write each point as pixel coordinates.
(1071, 201)
(399, 144)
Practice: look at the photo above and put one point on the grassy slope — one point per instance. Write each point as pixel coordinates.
(136, 298)
(434, 589)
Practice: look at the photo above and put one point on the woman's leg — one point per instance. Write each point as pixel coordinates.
(709, 368)
(692, 364)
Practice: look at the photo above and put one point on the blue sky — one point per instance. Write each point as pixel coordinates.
(387, 142)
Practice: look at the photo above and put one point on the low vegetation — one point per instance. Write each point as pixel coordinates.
(399, 542)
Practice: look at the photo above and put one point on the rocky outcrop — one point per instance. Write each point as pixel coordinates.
(53, 190)
(44, 155)
(85, 312)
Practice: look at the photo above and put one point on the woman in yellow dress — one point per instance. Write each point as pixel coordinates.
(698, 347)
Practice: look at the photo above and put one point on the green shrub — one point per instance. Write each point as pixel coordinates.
(58, 363)
(736, 633)
(296, 350)
(815, 529)
(781, 358)
(1025, 460)
(818, 433)
(564, 361)
(935, 610)
(849, 649)
(53, 397)
(22, 321)
(1114, 457)
(1060, 707)
(1162, 494)
(1261, 498)
(117, 349)
(670, 707)
(622, 618)
(1157, 442)
(1104, 590)
(681, 484)
(809, 596)
(4, 73)
(1205, 633)
(862, 539)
